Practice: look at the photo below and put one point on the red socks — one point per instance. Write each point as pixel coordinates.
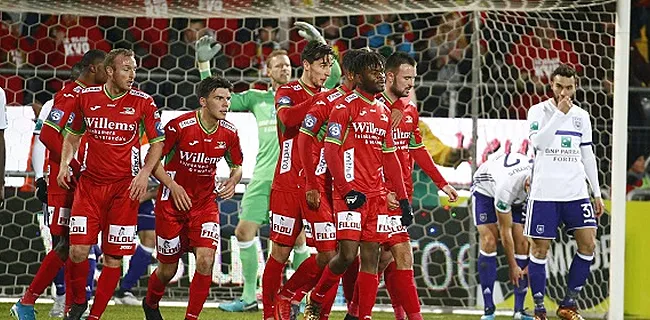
(271, 282)
(326, 282)
(392, 284)
(46, 273)
(105, 287)
(306, 273)
(407, 293)
(369, 282)
(155, 290)
(78, 279)
(199, 290)
(330, 296)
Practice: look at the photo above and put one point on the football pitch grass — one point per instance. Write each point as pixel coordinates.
(122, 312)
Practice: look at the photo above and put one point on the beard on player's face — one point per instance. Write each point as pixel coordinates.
(123, 73)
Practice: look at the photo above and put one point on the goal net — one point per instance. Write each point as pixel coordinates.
(481, 65)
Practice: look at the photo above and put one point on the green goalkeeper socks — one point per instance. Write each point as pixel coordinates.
(249, 265)
(300, 254)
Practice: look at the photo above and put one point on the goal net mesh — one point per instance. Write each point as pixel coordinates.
(482, 61)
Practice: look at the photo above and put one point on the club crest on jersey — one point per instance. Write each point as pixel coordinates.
(220, 145)
(540, 229)
(482, 217)
(577, 122)
(309, 122)
(128, 111)
(408, 119)
(160, 129)
(334, 130)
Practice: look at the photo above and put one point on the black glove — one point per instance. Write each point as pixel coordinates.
(407, 212)
(41, 190)
(355, 199)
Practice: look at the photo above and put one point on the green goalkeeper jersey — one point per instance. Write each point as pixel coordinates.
(261, 104)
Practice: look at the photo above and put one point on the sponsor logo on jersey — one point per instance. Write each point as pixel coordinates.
(565, 142)
(186, 123)
(297, 87)
(282, 224)
(135, 161)
(118, 234)
(284, 101)
(193, 143)
(92, 89)
(383, 117)
(168, 247)
(382, 224)
(285, 157)
(340, 106)
(308, 231)
(348, 164)
(577, 122)
(534, 125)
(171, 128)
(501, 205)
(95, 108)
(348, 220)
(106, 124)
(70, 118)
(320, 102)
(334, 130)
(399, 136)
(139, 93)
(309, 122)
(351, 98)
(197, 157)
(210, 230)
(128, 111)
(227, 125)
(366, 127)
(334, 96)
(324, 231)
(395, 223)
(64, 217)
(68, 95)
(78, 225)
(55, 115)
(321, 167)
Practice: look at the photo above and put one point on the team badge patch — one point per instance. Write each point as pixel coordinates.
(577, 122)
(334, 130)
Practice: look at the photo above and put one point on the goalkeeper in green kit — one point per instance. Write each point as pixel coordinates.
(255, 204)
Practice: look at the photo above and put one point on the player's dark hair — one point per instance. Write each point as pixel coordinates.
(564, 70)
(93, 56)
(207, 85)
(109, 60)
(348, 59)
(397, 59)
(366, 61)
(76, 70)
(315, 50)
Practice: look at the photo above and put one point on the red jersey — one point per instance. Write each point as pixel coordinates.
(406, 136)
(113, 126)
(315, 125)
(64, 102)
(361, 127)
(287, 171)
(193, 153)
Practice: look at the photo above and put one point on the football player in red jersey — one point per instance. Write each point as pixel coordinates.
(292, 102)
(59, 200)
(317, 207)
(187, 215)
(112, 180)
(359, 151)
(398, 274)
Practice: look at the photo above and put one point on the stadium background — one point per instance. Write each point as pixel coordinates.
(472, 65)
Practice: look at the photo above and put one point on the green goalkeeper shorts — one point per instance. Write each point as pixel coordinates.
(255, 204)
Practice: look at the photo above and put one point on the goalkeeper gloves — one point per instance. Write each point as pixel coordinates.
(309, 32)
(41, 190)
(205, 50)
(407, 212)
(355, 199)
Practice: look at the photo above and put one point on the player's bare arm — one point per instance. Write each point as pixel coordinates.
(505, 230)
(227, 189)
(140, 183)
(181, 199)
(68, 150)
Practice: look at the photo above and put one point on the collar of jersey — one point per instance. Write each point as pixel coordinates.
(81, 84)
(198, 119)
(391, 102)
(306, 87)
(114, 97)
(363, 96)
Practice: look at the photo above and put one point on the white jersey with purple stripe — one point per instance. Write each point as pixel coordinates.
(503, 177)
(559, 173)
